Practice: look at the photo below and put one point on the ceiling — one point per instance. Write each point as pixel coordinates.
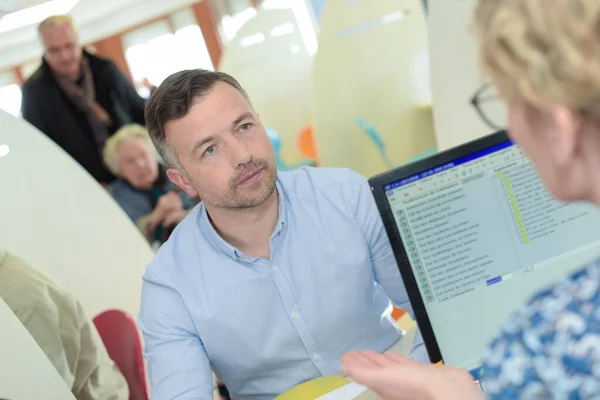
(29, 3)
(95, 20)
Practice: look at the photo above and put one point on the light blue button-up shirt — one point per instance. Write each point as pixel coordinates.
(262, 325)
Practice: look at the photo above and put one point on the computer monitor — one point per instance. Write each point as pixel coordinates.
(475, 234)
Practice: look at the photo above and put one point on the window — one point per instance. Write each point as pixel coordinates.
(154, 51)
(232, 15)
(10, 94)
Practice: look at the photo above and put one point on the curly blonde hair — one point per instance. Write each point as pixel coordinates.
(544, 51)
(126, 133)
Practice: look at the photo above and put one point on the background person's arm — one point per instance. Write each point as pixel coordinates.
(178, 365)
(54, 338)
(30, 108)
(385, 267)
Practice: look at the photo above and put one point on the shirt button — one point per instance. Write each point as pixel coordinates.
(316, 356)
(274, 268)
(295, 314)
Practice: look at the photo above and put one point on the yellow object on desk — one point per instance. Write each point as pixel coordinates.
(314, 388)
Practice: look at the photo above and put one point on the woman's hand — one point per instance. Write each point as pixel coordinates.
(168, 211)
(395, 377)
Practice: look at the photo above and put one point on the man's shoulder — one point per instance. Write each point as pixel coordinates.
(310, 178)
(179, 248)
(97, 61)
(36, 81)
(118, 188)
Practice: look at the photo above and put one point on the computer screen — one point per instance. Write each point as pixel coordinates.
(482, 234)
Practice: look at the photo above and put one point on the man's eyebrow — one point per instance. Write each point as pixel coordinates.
(210, 138)
(202, 142)
(241, 118)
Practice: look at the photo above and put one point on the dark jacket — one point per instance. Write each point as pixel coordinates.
(48, 108)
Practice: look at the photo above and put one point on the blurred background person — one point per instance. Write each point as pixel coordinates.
(143, 190)
(78, 99)
(56, 321)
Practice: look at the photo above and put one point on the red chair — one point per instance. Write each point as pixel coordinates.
(122, 340)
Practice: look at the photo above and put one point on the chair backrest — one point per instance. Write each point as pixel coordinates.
(122, 340)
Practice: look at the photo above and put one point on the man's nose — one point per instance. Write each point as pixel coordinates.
(240, 154)
(64, 55)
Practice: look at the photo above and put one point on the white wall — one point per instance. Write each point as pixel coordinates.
(454, 73)
(372, 63)
(276, 72)
(25, 371)
(54, 215)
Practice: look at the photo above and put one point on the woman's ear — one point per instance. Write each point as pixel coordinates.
(566, 134)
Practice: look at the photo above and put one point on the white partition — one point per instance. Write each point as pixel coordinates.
(455, 74)
(271, 57)
(372, 63)
(25, 371)
(55, 216)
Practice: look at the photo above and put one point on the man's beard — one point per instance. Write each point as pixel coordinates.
(236, 199)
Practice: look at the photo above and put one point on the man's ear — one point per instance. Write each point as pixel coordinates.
(567, 134)
(179, 178)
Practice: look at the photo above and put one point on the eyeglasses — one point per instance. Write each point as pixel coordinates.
(489, 106)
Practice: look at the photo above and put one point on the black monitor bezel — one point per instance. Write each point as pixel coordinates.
(378, 183)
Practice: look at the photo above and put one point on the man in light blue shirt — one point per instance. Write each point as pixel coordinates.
(274, 276)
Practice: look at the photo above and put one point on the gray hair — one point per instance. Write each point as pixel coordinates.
(123, 135)
(57, 20)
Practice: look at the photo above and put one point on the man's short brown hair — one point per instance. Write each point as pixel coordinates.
(173, 100)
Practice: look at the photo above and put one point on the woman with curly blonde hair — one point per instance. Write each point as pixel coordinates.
(543, 56)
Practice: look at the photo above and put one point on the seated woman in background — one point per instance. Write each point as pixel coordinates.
(143, 190)
(544, 58)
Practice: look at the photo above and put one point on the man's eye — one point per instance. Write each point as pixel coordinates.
(210, 150)
(245, 127)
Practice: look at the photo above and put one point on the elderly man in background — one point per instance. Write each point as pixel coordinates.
(143, 190)
(77, 99)
(57, 322)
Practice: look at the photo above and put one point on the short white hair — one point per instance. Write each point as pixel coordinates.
(55, 21)
(123, 135)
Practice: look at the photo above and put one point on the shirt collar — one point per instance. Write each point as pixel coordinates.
(209, 232)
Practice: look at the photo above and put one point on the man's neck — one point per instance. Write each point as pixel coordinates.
(248, 230)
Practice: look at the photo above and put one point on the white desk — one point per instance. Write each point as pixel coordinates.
(357, 392)
(25, 371)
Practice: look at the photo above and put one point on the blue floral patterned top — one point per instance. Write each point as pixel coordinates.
(551, 348)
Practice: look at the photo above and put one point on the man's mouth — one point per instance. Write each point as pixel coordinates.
(251, 177)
